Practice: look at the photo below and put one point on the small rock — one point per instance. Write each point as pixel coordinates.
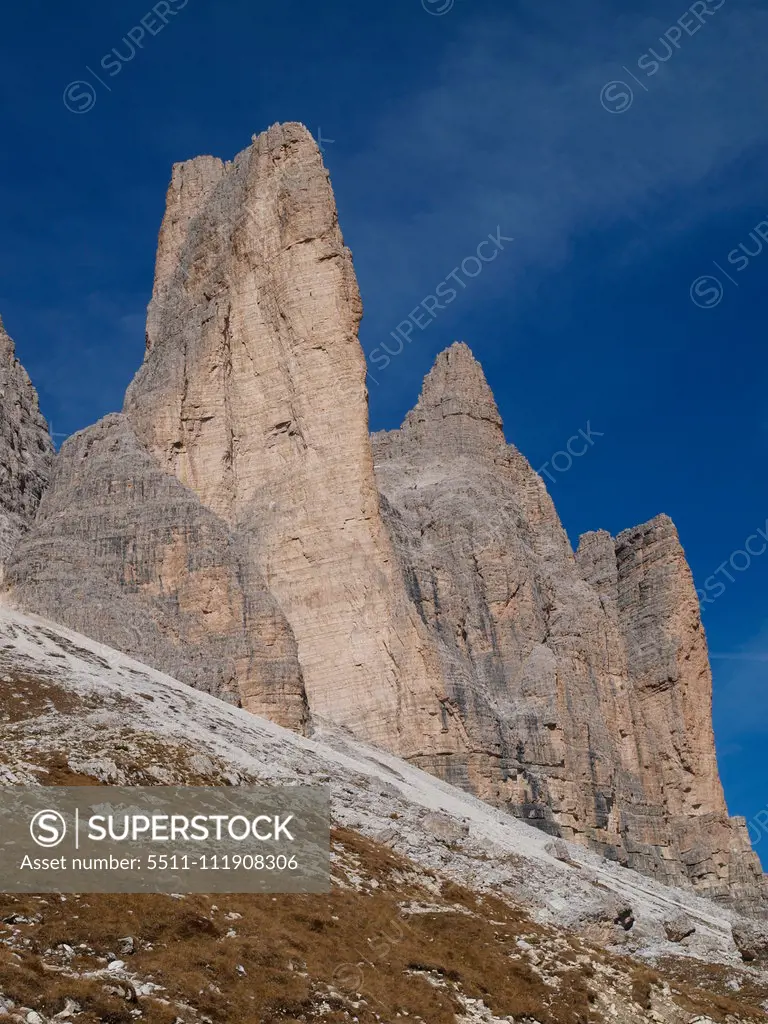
(34, 1018)
(444, 827)
(116, 965)
(127, 945)
(624, 916)
(70, 1009)
(679, 927)
(751, 940)
(559, 850)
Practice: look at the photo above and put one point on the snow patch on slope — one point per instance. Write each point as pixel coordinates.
(379, 795)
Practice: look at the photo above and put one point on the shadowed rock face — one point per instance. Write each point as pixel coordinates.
(582, 682)
(124, 552)
(647, 590)
(245, 533)
(26, 450)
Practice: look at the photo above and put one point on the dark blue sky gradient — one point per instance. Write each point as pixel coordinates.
(446, 128)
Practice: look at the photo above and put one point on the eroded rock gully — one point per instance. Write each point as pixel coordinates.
(237, 527)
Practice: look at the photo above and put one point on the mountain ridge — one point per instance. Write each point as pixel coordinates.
(413, 586)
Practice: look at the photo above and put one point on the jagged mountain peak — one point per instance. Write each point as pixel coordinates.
(290, 142)
(419, 589)
(661, 523)
(456, 405)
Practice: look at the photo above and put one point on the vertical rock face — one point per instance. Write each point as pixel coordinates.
(253, 394)
(237, 527)
(125, 553)
(660, 621)
(647, 590)
(26, 450)
(582, 682)
(522, 636)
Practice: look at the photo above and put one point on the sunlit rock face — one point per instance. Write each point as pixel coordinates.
(245, 532)
(582, 681)
(125, 553)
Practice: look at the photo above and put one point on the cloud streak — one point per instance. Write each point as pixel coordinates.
(511, 129)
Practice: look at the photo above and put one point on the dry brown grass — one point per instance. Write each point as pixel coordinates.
(354, 951)
(352, 948)
(25, 697)
(701, 988)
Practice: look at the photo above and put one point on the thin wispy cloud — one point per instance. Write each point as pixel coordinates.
(511, 129)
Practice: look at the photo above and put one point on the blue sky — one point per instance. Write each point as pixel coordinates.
(624, 152)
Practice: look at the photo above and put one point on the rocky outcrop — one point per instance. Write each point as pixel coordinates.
(582, 682)
(647, 591)
(124, 552)
(237, 527)
(751, 940)
(521, 635)
(26, 450)
(253, 394)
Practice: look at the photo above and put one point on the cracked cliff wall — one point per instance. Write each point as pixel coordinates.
(647, 589)
(253, 394)
(240, 525)
(124, 553)
(26, 450)
(582, 682)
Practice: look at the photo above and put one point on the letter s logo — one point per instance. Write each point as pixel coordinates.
(48, 828)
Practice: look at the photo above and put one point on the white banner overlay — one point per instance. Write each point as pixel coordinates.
(172, 839)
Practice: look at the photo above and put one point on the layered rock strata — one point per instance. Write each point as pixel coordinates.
(253, 394)
(582, 681)
(418, 588)
(26, 450)
(124, 552)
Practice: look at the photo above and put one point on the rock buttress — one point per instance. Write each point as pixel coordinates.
(253, 395)
(124, 553)
(582, 682)
(26, 450)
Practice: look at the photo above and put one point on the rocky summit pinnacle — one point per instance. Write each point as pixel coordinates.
(457, 403)
(237, 525)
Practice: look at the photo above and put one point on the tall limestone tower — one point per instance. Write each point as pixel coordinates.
(237, 526)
